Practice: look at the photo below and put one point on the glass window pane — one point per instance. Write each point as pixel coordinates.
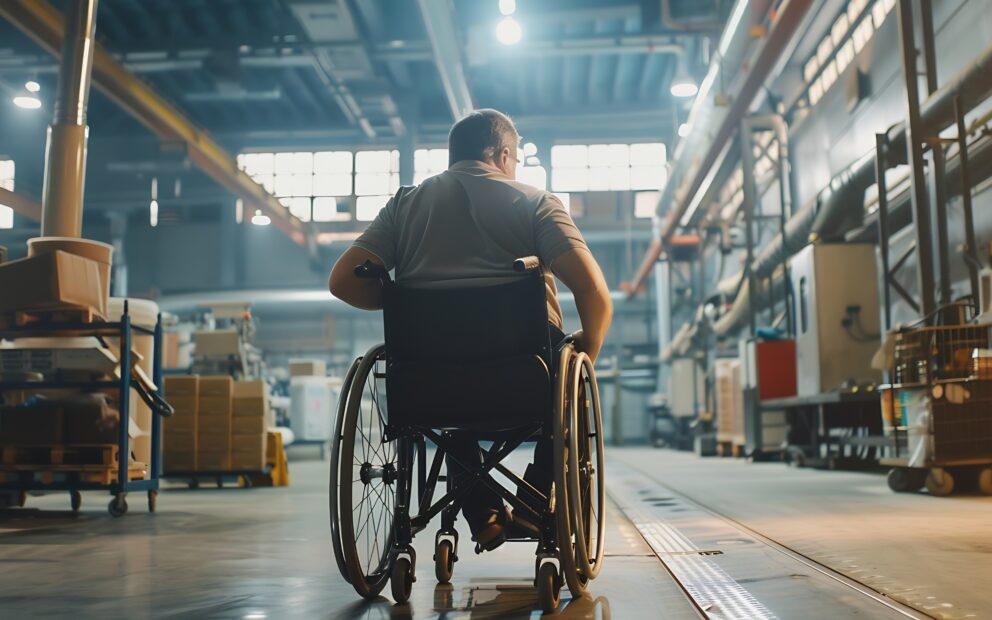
(284, 185)
(367, 207)
(7, 184)
(284, 163)
(844, 56)
(332, 162)
(647, 154)
(258, 163)
(303, 163)
(829, 75)
(6, 217)
(569, 179)
(372, 184)
(599, 179)
(569, 156)
(647, 177)
(7, 169)
(300, 207)
(394, 183)
(824, 50)
(815, 91)
(332, 184)
(645, 203)
(566, 200)
(619, 178)
(878, 14)
(421, 160)
(302, 185)
(394, 161)
(839, 29)
(266, 181)
(372, 161)
(438, 160)
(533, 175)
(420, 177)
(810, 69)
(330, 209)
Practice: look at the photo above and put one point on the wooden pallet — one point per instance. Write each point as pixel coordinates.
(729, 448)
(103, 455)
(21, 318)
(89, 474)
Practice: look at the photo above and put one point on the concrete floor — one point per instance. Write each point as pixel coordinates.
(265, 553)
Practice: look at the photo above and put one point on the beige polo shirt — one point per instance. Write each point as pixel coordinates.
(466, 226)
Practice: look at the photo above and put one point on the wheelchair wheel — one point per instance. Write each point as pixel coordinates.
(366, 476)
(564, 398)
(332, 495)
(586, 491)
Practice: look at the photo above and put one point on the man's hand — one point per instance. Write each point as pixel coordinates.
(346, 286)
(579, 271)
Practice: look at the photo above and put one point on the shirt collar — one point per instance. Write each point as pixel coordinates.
(477, 168)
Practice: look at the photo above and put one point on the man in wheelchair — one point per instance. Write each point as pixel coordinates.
(466, 228)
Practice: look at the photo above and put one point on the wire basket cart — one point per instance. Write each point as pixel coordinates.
(117, 475)
(938, 410)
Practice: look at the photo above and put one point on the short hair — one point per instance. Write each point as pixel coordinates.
(481, 135)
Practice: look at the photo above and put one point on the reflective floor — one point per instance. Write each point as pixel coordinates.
(687, 538)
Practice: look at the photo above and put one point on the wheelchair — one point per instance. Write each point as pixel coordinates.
(478, 362)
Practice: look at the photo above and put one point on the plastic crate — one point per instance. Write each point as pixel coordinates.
(932, 354)
(961, 419)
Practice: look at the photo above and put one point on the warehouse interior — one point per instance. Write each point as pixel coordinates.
(790, 416)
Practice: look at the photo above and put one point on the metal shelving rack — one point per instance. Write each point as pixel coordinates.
(124, 330)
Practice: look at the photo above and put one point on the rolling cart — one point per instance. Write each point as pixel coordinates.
(75, 479)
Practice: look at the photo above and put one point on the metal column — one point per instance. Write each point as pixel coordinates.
(881, 154)
(914, 147)
(65, 152)
(971, 248)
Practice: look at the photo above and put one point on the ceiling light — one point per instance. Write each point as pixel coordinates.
(31, 86)
(507, 7)
(260, 219)
(684, 87)
(684, 130)
(28, 102)
(153, 213)
(508, 31)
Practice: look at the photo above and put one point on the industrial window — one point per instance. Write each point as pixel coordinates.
(850, 33)
(305, 181)
(603, 167)
(6, 182)
(427, 163)
(368, 207)
(377, 173)
(646, 203)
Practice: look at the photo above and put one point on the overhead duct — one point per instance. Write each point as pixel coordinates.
(65, 152)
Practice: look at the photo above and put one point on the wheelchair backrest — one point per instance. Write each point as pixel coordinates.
(465, 324)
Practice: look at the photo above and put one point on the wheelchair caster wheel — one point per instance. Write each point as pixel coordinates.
(548, 587)
(152, 500)
(117, 506)
(75, 500)
(444, 561)
(940, 482)
(401, 581)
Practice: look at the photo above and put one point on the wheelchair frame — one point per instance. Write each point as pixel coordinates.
(570, 531)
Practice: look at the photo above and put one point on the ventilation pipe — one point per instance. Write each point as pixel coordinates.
(65, 152)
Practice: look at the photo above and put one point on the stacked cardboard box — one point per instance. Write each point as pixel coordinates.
(251, 418)
(213, 426)
(52, 282)
(307, 368)
(180, 431)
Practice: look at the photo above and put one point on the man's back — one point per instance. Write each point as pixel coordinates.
(466, 226)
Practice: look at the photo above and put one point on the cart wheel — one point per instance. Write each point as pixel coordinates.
(940, 482)
(401, 581)
(194, 484)
(75, 500)
(117, 506)
(246, 482)
(904, 480)
(985, 481)
(444, 561)
(152, 500)
(220, 482)
(548, 587)
(22, 499)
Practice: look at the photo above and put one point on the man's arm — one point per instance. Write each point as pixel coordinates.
(346, 286)
(578, 270)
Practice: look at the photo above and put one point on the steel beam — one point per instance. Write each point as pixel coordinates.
(45, 25)
(28, 207)
(440, 23)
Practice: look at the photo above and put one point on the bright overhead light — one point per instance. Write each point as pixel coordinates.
(684, 130)
(260, 219)
(684, 87)
(31, 86)
(153, 213)
(507, 7)
(28, 102)
(508, 31)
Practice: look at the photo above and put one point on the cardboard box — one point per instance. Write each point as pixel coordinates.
(217, 343)
(213, 424)
(90, 419)
(54, 281)
(214, 406)
(254, 388)
(251, 460)
(213, 442)
(37, 425)
(213, 460)
(181, 422)
(254, 442)
(216, 386)
(245, 425)
(179, 442)
(179, 460)
(182, 386)
(250, 407)
(46, 355)
(307, 368)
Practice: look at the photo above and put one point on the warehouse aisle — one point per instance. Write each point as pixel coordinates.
(265, 553)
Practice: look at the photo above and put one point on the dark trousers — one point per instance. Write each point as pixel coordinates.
(482, 502)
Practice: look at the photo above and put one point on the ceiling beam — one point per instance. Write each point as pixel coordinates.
(45, 25)
(439, 20)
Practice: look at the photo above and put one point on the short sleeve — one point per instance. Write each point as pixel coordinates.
(380, 237)
(554, 230)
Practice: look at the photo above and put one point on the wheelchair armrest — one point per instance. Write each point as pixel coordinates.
(371, 271)
(526, 264)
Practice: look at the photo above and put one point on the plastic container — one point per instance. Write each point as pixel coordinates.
(97, 251)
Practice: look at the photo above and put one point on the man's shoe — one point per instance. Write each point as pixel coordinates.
(492, 533)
